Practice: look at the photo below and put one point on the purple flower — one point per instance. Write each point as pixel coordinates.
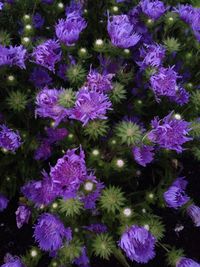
(185, 262)
(122, 32)
(22, 215)
(43, 152)
(96, 228)
(69, 29)
(99, 82)
(9, 139)
(38, 20)
(1, 5)
(169, 133)
(195, 23)
(69, 171)
(175, 196)
(12, 261)
(47, 105)
(143, 155)
(91, 191)
(40, 77)
(49, 232)
(181, 97)
(138, 244)
(82, 260)
(47, 54)
(186, 12)
(151, 55)
(13, 56)
(41, 192)
(194, 212)
(154, 9)
(3, 202)
(55, 135)
(62, 70)
(90, 105)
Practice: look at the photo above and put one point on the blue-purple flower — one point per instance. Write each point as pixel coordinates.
(90, 105)
(43, 152)
(143, 155)
(154, 9)
(175, 197)
(194, 212)
(122, 32)
(185, 262)
(38, 21)
(47, 54)
(3, 202)
(138, 244)
(23, 214)
(9, 139)
(186, 12)
(96, 228)
(40, 77)
(12, 261)
(1, 5)
(82, 260)
(13, 56)
(50, 232)
(170, 133)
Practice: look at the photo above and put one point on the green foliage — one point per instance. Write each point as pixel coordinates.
(70, 207)
(195, 132)
(103, 246)
(70, 251)
(32, 257)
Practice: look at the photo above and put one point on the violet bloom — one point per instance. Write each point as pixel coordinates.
(38, 21)
(143, 155)
(185, 262)
(181, 97)
(55, 135)
(154, 9)
(1, 5)
(13, 56)
(91, 191)
(195, 23)
(99, 82)
(194, 212)
(151, 55)
(169, 133)
(48, 107)
(47, 54)
(43, 152)
(186, 12)
(68, 172)
(90, 105)
(50, 232)
(41, 192)
(138, 244)
(22, 215)
(9, 139)
(122, 32)
(96, 228)
(69, 29)
(12, 261)
(3, 202)
(40, 77)
(61, 72)
(82, 260)
(175, 197)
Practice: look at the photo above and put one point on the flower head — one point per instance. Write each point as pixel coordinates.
(3, 202)
(47, 54)
(90, 105)
(12, 261)
(143, 155)
(96, 228)
(138, 244)
(22, 215)
(185, 262)
(194, 212)
(186, 12)
(43, 152)
(175, 196)
(38, 20)
(40, 77)
(49, 232)
(13, 56)
(121, 31)
(69, 29)
(154, 9)
(55, 135)
(169, 133)
(83, 260)
(9, 139)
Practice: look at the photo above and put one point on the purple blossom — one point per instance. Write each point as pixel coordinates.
(22, 215)
(121, 31)
(96, 228)
(151, 55)
(41, 192)
(38, 20)
(194, 212)
(185, 262)
(47, 54)
(154, 9)
(82, 260)
(12, 261)
(186, 12)
(55, 135)
(3, 202)
(75, 6)
(69, 29)
(9, 139)
(13, 56)
(43, 152)
(138, 244)
(195, 23)
(40, 77)
(47, 105)
(49, 232)
(1, 5)
(61, 72)
(143, 155)
(181, 97)
(90, 105)
(99, 82)
(68, 172)
(175, 197)
(169, 133)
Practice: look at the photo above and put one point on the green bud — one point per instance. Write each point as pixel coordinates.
(26, 41)
(28, 29)
(171, 44)
(5, 38)
(96, 128)
(118, 93)
(70, 251)
(103, 246)
(17, 101)
(99, 45)
(76, 74)
(83, 53)
(195, 100)
(195, 132)
(70, 207)
(125, 76)
(27, 18)
(118, 164)
(154, 225)
(174, 255)
(170, 18)
(67, 98)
